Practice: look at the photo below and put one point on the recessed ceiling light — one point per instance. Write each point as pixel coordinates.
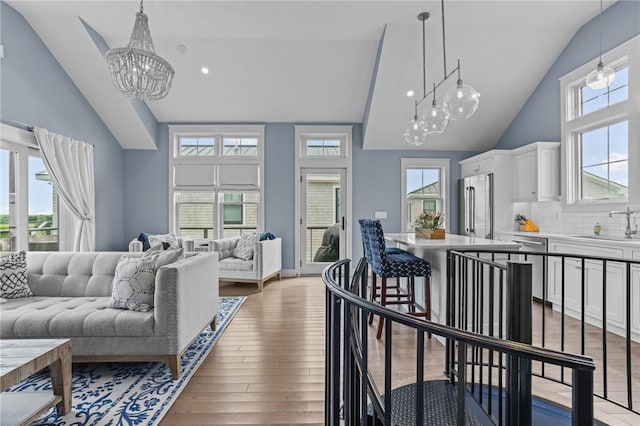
(204, 70)
(410, 93)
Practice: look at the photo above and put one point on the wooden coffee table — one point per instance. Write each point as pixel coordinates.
(22, 358)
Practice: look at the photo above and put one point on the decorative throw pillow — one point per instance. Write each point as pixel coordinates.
(164, 257)
(13, 276)
(144, 239)
(244, 247)
(134, 283)
(168, 241)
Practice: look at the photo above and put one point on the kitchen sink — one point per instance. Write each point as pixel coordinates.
(607, 238)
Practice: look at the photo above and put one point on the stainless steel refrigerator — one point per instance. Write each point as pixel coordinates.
(475, 198)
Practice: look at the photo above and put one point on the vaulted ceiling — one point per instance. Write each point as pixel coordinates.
(314, 61)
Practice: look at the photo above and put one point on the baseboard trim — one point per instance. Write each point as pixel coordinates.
(289, 273)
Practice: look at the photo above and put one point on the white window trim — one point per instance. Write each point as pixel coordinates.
(217, 131)
(24, 143)
(626, 54)
(444, 164)
(304, 162)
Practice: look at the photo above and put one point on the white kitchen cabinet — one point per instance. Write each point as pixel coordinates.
(536, 172)
(593, 285)
(635, 292)
(487, 162)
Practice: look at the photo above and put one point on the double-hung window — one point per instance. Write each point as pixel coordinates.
(597, 129)
(425, 188)
(216, 182)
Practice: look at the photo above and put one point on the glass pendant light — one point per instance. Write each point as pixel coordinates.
(603, 75)
(414, 134)
(462, 100)
(436, 118)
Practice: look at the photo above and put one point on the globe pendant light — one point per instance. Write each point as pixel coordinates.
(414, 134)
(135, 69)
(603, 75)
(459, 103)
(436, 118)
(462, 100)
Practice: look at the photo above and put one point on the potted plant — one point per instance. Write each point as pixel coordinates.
(427, 225)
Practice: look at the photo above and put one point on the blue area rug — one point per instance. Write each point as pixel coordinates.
(130, 393)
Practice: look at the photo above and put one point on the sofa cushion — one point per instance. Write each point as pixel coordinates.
(134, 283)
(70, 317)
(235, 264)
(224, 247)
(13, 276)
(245, 246)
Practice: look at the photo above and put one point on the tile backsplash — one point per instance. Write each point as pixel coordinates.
(553, 217)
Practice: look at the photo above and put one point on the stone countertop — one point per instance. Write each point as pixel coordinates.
(583, 239)
(450, 241)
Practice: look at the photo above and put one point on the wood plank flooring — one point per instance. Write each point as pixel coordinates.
(268, 366)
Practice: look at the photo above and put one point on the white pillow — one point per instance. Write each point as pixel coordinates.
(168, 241)
(134, 283)
(245, 245)
(13, 276)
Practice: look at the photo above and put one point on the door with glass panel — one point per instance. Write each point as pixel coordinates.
(322, 218)
(28, 202)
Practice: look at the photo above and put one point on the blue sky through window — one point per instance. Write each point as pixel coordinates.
(419, 178)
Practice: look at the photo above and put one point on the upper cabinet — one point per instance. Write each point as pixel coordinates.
(487, 162)
(536, 172)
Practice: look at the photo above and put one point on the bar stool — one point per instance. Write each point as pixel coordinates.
(396, 264)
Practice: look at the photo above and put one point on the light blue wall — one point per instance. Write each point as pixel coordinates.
(35, 89)
(539, 118)
(146, 188)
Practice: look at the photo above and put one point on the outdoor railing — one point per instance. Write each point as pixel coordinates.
(590, 305)
(351, 392)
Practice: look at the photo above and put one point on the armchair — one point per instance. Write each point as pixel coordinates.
(266, 262)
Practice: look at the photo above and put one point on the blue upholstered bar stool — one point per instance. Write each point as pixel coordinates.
(396, 264)
(366, 248)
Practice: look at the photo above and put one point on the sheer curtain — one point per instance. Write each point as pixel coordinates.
(69, 162)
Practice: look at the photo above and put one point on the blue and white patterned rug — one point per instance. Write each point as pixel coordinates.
(130, 393)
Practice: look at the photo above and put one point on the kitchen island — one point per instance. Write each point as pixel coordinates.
(435, 252)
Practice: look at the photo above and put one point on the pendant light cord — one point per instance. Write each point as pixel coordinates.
(424, 62)
(444, 45)
(141, 8)
(600, 31)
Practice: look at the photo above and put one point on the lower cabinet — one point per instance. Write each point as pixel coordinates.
(635, 293)
(593, 290)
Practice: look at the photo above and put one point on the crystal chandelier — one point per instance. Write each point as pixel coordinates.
(603, 75)
(459, 103)
(135, 69)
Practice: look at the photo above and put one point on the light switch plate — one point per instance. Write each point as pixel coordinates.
(380, 215)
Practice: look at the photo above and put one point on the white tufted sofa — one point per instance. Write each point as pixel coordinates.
(71, 291)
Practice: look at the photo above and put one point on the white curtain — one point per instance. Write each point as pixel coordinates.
(70, 165)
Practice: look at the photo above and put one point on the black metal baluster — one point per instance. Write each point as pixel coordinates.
(604, 326)
(628, 298)
(388, 364)
(420, 378)
(583, 302)
(462, 379)
(562, 308)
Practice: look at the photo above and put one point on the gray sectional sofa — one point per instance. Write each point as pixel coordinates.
(70, 291)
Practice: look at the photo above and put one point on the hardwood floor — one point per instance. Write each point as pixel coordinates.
(268, 366)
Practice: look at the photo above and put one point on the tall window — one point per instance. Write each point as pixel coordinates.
(29, 214)
(425, 188)
(597, 128)
(217, 180)
(605, 162)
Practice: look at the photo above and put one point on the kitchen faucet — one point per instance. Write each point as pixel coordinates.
(627, 231)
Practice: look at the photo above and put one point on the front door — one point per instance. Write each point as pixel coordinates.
(322, 218)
